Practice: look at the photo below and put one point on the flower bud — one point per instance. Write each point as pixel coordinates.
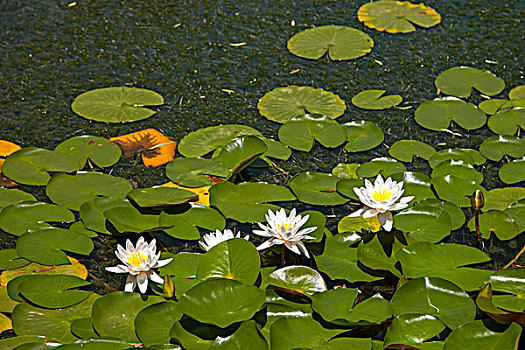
(168, 287)
(477, 200)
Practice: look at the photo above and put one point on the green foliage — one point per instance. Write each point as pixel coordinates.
(459, 82)
(371, 99)
(439, 113)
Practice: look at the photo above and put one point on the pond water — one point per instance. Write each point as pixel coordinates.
(51, 51)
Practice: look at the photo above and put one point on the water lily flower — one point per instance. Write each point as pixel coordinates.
(138, 261)
(211, 239)
(285, 230)
(380, 199)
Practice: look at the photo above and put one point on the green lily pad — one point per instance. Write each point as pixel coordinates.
(284, 103)
(116, 104)
(18, 218)
(276, 149)
(129, 219)
(92, 212)
(79, 227)
(247, 202)
(95, 344)
(495, 147)
(51, 291)
(455, 189)
(247, 336)
(83, 328)
(445, 261)
(362, 135)
(160, 196)
(203, 141)
(358, 223)
(379, 252)
(235, 259)
(114, 314)
(382, 165)
(346, 187)
(502, 224)
(397, 16)
(437, 114)
(502, 198)
(183, 225)
(513, 172)
(45, 245)
(459, 169)
(517, 93)
(98, 150)
(14, 342)
(297, 279)
(479, 159)
(182, 267)
(495, 105)
(221, 302)
(318, 220)
(371, 99)
(474, 335)
(346, 170)
(238, 153)
(434, 297)
(424, 223)
(9, 260)
(30, 166)
(457, 217)
(341, 43)
(450, 154)
(506, 122)
(512, 282)
(405, 150)
(459, 82)
(415, 184)
(300, 132)
(412, 330)
(190, 172)
(71, 191)
(188, 339)
(10, 196)
(154, 322)
(517, 212)
(316, 188)
(339, 261)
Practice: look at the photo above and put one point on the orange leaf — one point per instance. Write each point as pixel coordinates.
(202, 192)
(6, 148)
(155, 148)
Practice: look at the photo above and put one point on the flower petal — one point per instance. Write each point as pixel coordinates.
(142, 281)
(267, 244)
(156, 278)
(131, 283)
(293, 247)
(385, 219)
(117, 269)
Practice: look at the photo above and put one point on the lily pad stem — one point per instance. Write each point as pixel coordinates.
(479, 243)
(282, 256)
(515, 258)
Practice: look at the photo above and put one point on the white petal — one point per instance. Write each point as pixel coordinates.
(357, 213)
(129, 246)
(379, 181)
(267, 244)
(117, 269)
(293, 247)
(164, 262)
(156, 278)
(142, 281)
(247, 237)
(131, 283)
(406, 199)
(371, 212)
(303, 249)
(385, 219)
(264, 233)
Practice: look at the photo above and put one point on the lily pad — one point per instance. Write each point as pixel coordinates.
(30, 166)
(437, 114)
(513, 172)
(405, 150)
(191, 172)
(247, 336)
(18, 218)
(9, 260)
(475, 335)
(238, 153)
(129, 219)
(92, 212)
(455, 189)
(371, 99)
(459, 169)
(221, 302)
(451, 154)
(71, 191)
(424, 223)
(379, 252)
(358, 223)
(300, 132)
(341, 43)
(415, 184)
(284, 103)
(517, 93)
(276, 149)
(457, 217)
(83, 328)
(297, 279)
(495, 105)
(316, 188)
(203, 141)
(517, 212)
(382, 165)
(512, 283)
(183, 225)
(412, 330)
(362, 135)
(397, 16)
(459, 82)
(346, 187)
(116, 104)
(502, 224)
(52, 291)
(160, 196)
(98, 150)
(10, 196)
(247, 202)
(182, 268)
(503, 198)
(506, 122)
(495, 147)
(153, 323)
(346, 170)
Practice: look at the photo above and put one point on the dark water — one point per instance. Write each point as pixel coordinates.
(50, 53)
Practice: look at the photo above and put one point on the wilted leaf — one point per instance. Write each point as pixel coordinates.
(155, 148)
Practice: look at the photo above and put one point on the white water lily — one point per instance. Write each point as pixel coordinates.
(380, 199)
(285, 230)
(211, 239)
(138, 261)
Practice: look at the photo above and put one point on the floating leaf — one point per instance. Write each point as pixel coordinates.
(160, 196)
(247, 202)
(221, 302)
(297, 279)
(424, 259)
(495, 147)
(18, 218)
(437, 114)
(474, 335)
(405, 150)
(513, 172)
(424, 223)
(92, 212)
(129, 219)
(116, 104)
(495, 105)
(300, 132)
(276, 149)
(415, 184)
(153, 323)
(459, 82)
(284, 103)
(517, 93)
(412, 330)
(192, 171)
(502, 198)
(316, 188)
(451, 154)
(11, 196)
(6, 148)
(346, 187)
(9, 260)
(455, 189)
(371, 99)
(507, 122)
(457, 217)
(71, 191)
(512, 282)
(517, 212)
(183, 225)
(13, 342)
(45, 245)
(52, 291)
(155, 148)
(379, 252)
(30, 166)
(341, 43)
(362, 135)
(97, 344)
(238, 153)
(181, 268)
(358, 223)
(383, 165)
(397, 16)
(203, 193)
(83, 328)
(98, 150)
(459, 169)
(346, 170)
(502, 224)
(247, 336)
(203, 141)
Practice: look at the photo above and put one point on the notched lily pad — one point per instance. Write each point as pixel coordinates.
(405, 150)
(240, 152)
(502, 224)
(316, 188)
(342, 43)
(160, 196)
(507, 122)
(297, 279)
(10, 196)
(495, 105)
(371, 99)
(495, 147)
(98, 150)
(362, 135)
(191, 171)
(382, 165)
(459, 82)
(437, 114)
(116, 104)
(184, 225)
(513, 172)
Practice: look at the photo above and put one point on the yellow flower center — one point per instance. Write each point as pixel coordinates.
(284, 226)
(381, 194)
(135, 258)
